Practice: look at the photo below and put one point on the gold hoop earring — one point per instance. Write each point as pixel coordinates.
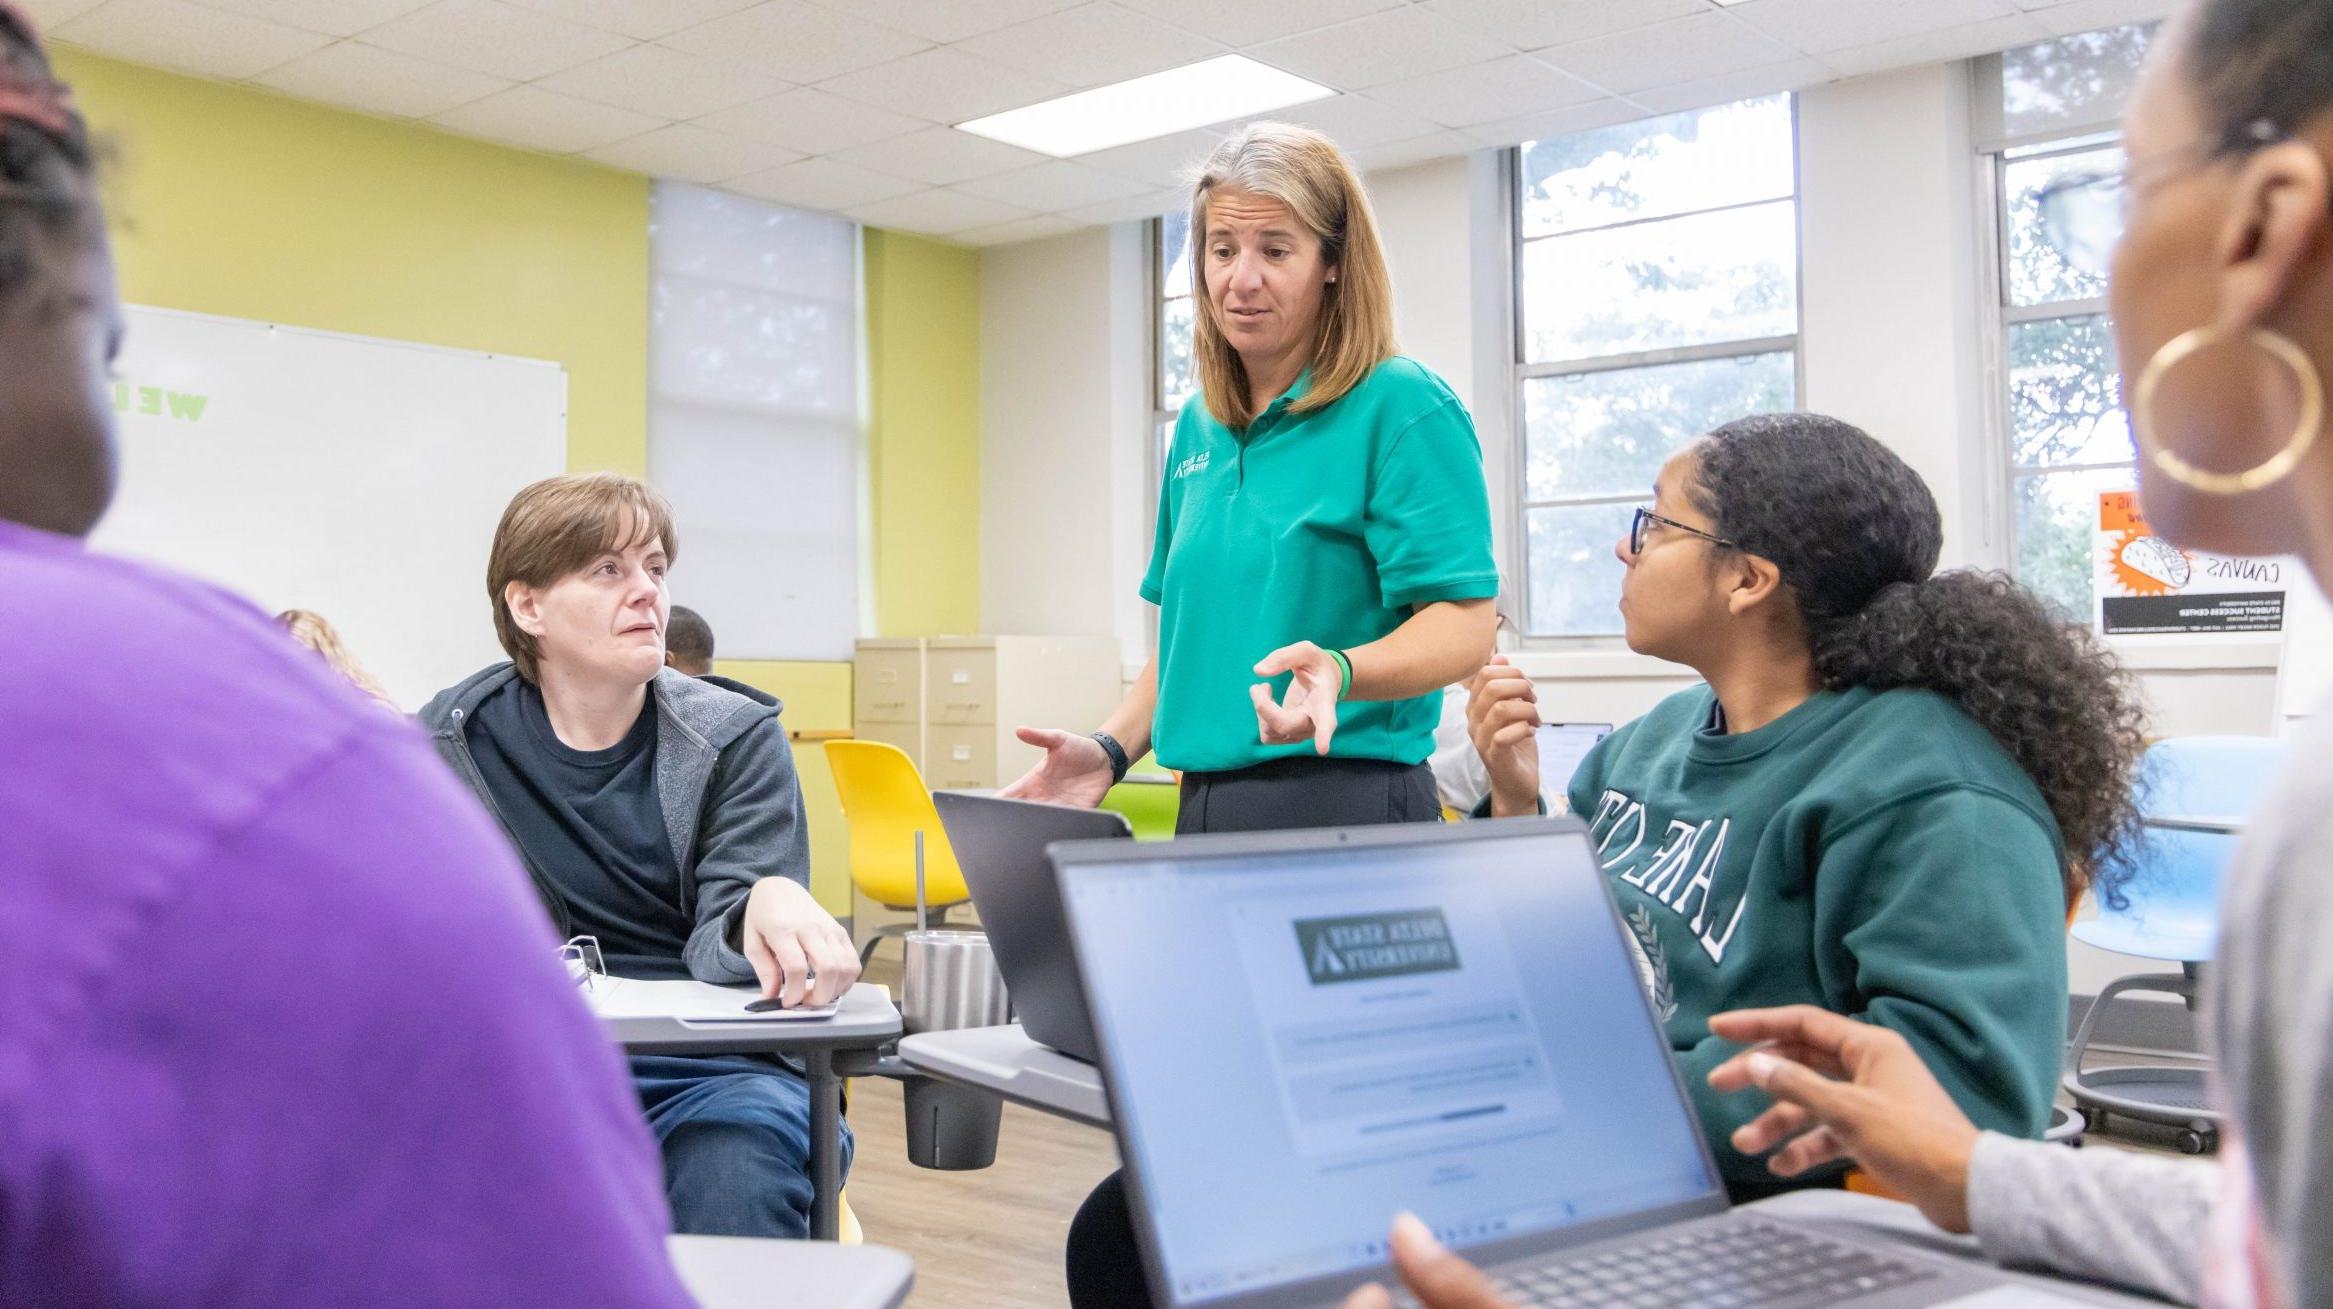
(2268, 472)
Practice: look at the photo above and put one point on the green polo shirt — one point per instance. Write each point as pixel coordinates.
(1326, 527)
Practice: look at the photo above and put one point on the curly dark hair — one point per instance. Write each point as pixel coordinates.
(46, 174)
(1856, 535)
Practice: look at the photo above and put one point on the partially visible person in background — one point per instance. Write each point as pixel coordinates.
(310, 629)
(688, 642)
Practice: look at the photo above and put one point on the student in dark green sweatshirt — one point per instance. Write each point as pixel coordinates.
(1883, 799)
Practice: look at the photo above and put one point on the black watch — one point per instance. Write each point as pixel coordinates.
(1119, 763)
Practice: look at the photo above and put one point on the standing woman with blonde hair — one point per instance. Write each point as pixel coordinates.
(1323, 563)
(310, 629)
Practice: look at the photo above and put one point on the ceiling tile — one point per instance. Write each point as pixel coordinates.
(331, 17)
(1091, 45)
(2090, 15)
(643, 20)
(693, 154)
(1245, 22)
(820, 184)
(544, 120)
(664, 83)
(1381, 48)
(1353, 121)
(939, 212)
(948, 20)
(1992, 35)
(1020, 229)
(359, 76)
(1141, 206)
(1161, 161)
(48, 14)
(1054, 186)
(945, 85)
(1820, 26)
(1680, 50)
(1419, 150)
(1562, 122)
(1486, 93)
(938, 156)
(811, 121)
(489, 36)
(1535, 24)
(796, 41)
(1788, 75)
(188, 38)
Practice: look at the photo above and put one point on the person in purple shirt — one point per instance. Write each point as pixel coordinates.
(281, 1022)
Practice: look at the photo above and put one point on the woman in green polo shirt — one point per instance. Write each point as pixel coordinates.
(1323, 564)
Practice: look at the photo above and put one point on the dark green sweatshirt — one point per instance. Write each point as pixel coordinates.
(1874, 853)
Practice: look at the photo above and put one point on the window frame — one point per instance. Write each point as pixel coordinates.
(1515, 599)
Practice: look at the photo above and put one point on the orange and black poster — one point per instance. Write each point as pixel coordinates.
(2150, 587)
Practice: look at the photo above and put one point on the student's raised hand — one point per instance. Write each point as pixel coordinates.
(1075, 770)
(1845, 1089)
(787, 936)
(1310, 707)
(1502, 719)
(1438, 1278)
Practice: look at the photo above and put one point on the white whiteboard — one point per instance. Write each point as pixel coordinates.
(360, 478)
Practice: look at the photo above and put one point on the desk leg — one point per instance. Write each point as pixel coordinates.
(825, 1146)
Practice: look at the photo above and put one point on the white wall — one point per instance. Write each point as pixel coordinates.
(1063, 402)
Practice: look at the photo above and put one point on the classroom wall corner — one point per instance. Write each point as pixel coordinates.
(923, 432)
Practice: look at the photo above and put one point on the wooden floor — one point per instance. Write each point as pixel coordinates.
(992, 1238)
(980, 1240)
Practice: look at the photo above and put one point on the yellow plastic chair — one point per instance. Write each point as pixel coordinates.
(886, 803)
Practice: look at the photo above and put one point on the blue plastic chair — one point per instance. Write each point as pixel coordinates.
(2194, 794)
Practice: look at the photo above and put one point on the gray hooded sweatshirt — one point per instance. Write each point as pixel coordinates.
(725, 781)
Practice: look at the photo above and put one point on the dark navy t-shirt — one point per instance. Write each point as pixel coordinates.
(591, 821)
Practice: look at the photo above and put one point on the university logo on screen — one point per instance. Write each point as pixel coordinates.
(1368, 947)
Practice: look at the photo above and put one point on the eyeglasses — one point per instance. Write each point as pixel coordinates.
(1647, 518)
(2083, 213)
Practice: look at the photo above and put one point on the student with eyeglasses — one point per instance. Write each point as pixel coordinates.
(2222, 292)
(1891, 787)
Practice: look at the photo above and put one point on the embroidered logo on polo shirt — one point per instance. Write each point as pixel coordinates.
(1195, 464)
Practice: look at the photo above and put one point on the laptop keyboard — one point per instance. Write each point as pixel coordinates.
(1725, 1266)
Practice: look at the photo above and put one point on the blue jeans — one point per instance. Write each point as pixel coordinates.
(735, 1132)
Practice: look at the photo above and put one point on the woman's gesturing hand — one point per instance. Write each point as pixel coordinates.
(1309, 709)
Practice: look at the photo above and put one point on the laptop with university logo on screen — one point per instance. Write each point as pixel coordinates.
(1304, 1033)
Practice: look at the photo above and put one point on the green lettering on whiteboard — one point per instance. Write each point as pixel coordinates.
(159, 402)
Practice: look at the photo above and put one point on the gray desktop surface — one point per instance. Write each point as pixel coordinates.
(1006, 1061)
(865, 1020)
(734, 1272)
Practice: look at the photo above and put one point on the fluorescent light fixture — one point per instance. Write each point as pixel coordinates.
(1726, 4)
(1230, 86)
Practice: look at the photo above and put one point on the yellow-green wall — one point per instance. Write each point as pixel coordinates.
(230, 201)
(923, 371)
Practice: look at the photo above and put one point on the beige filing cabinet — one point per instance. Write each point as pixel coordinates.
(952, 702)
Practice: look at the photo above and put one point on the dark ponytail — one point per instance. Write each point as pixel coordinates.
(1856, 535)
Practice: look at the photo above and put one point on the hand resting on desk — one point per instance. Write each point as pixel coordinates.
(800, 954)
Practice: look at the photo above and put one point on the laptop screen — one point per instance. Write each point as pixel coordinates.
(1561, 748)
(1305, 1040)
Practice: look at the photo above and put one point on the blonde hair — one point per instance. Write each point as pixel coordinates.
(558, 526)
(309, 629)
(1305, 171)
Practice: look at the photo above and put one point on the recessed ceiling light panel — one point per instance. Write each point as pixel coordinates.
(1211, 91)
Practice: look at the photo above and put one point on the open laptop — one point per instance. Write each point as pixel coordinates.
(1561, 748)
(1304, 1033)
(1000, 845)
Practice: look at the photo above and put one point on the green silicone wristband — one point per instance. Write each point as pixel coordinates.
(1345, 667)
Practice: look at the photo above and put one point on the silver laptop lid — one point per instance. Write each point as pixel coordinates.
(1305, 1033)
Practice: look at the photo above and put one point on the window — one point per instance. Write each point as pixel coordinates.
(1172, 379)
(2067, 435)
(1657, 297)
(754, 425)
